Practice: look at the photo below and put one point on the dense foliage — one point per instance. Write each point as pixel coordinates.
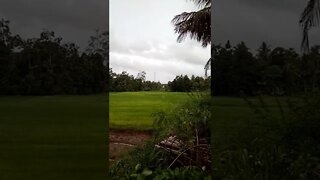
(187, 121)
(124, 82)
(47, 66)
(185, 84)
(277, 71)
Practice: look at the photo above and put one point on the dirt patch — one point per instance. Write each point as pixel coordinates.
(122, 141)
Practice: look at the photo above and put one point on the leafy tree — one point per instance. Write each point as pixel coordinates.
(222, 69)
(99, 44)
(263, 53)
(310, 70)
(185, 84)
(46, 66)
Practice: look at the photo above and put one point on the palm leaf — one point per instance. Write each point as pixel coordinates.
(197, 24)
(310, 18)
(207, 66)
(202, 3)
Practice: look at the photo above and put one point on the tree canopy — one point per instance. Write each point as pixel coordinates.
(277, 71)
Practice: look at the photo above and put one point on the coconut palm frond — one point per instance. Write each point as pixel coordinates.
(207, 66)
(197, 24)
(202, 3)
(310, 18)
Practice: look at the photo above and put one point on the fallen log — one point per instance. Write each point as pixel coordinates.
(198, 154)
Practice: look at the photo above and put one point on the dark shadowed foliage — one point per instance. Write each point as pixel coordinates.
(271, 71)
(47, 66)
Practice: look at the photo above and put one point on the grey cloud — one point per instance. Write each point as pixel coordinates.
(166, 70)
(75, 20)
(143, 38)
(193, 54)
(187, 52)
(294, 6)
(78, 13)
(254, 21)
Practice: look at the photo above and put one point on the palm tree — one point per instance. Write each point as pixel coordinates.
(310, 18)
(197, 25)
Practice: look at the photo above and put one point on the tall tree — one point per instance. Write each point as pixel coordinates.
(99, 44)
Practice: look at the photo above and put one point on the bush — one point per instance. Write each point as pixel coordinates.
(187, 121)
(191, 173)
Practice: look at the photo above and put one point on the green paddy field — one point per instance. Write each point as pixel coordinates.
(65, 137)
(133, 110)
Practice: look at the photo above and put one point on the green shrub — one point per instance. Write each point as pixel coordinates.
(187, 121)
(184, 173)
(147, 156)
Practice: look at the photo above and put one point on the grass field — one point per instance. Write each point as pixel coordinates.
(59, 137)
(133, 110)
(64, 137)
(233, 118)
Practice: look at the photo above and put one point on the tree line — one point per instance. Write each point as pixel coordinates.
(185, 84)
(124, 82)
(277, 71)
(47, 66)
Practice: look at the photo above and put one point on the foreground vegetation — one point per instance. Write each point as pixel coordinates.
(275, 138)
(252, 138)
(189, 158)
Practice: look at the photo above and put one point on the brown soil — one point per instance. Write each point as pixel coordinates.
(122, 141)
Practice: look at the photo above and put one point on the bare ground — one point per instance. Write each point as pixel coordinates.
(122, 141)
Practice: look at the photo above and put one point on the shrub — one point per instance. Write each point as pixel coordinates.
(187, 121)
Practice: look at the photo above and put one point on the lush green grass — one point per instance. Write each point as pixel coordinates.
(234, 118)
(133, 110)
(59, 137)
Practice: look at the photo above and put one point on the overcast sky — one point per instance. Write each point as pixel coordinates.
(73, 20)
(141, 34)
(254, 21)
(142, 38)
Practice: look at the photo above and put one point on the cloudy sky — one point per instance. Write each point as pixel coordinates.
(73, 20)
(141, 33)
(142, 38)
(254, 21)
